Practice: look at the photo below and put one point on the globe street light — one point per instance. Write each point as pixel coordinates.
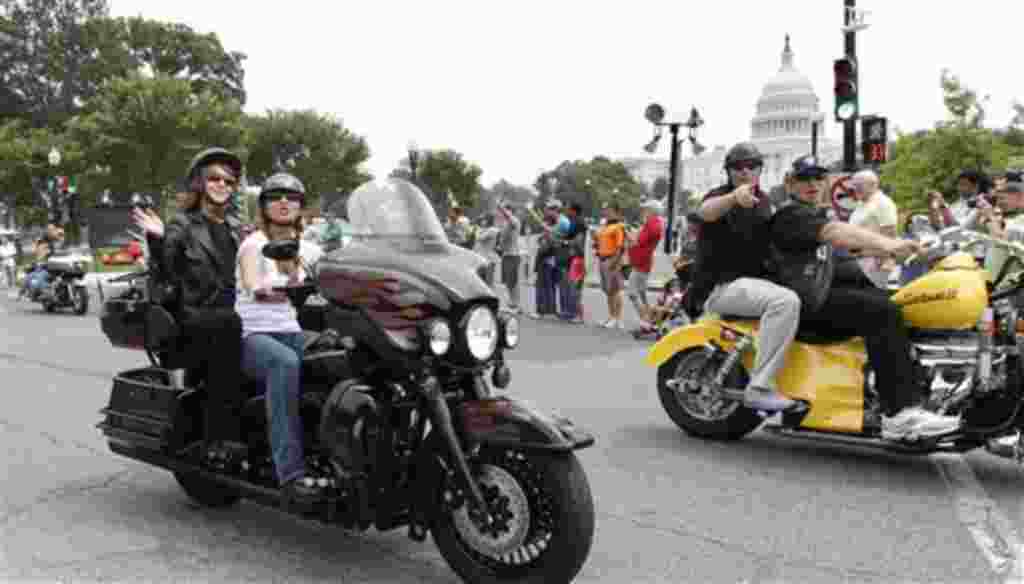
(655, 114)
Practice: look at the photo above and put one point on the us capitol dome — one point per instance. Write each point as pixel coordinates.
(780, 128)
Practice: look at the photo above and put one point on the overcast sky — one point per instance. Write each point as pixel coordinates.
(517, 87)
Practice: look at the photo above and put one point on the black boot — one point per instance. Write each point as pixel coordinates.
(303, 489)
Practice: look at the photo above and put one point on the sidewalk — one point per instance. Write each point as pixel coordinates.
(660, 273)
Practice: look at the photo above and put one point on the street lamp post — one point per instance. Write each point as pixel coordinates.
(53, 189)
(414, 158)
(655, 114)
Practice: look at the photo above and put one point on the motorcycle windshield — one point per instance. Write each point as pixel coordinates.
(394, 212)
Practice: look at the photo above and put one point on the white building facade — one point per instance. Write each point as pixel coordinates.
(781, 130)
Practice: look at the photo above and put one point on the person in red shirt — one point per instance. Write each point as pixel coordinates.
(642, 245)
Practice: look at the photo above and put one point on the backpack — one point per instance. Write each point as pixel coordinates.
(808, 273)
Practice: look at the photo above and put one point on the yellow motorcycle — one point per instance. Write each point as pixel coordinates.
(966, 346)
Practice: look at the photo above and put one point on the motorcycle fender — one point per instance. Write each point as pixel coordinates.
(697, 334)
(503, 421)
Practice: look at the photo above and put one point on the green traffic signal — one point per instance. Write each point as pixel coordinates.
(847, 106)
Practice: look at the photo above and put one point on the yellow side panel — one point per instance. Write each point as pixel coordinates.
(944, 299)
(829, 377)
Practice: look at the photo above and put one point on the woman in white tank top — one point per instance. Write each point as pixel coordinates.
(271, 336)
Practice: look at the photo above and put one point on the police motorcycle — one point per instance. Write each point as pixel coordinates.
(966, 337)
(66, 287)
(404, 353)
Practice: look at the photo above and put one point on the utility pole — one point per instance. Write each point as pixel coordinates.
(850, 126)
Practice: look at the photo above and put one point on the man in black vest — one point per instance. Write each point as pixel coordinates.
(731, 272)
(851, 310)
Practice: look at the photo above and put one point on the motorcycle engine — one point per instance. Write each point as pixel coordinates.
(948, 366)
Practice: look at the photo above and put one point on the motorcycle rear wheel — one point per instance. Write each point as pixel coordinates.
(545, 513)
(206, 492)
(722, 419)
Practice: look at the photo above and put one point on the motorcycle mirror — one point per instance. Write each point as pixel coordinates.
(287, 249)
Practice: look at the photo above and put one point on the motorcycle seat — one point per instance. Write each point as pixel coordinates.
(810, 337)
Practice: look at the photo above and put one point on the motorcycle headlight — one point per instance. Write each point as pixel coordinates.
(481, 332)
(437, 336)
(510, 331)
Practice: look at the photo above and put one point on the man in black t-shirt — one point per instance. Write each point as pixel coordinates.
(801, 226)
(732, 253)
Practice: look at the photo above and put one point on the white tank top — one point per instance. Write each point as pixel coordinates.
(267, 317)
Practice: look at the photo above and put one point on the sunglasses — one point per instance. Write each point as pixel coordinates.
(747, 165)
(810, 177)
(217, 178)
(290, 197)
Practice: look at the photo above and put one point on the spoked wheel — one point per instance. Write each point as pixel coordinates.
(684, 387)
(543, 520)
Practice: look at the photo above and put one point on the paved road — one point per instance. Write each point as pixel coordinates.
(670, 508)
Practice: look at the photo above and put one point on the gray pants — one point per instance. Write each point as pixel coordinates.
(510, 278)
(778, 309)
(637, 289)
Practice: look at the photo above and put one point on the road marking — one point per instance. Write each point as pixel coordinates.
(992, 531)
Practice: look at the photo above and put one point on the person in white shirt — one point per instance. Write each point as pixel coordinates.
(7, 253)
(272, 340)
(877, 212)
(486, 246)
(1005, 222)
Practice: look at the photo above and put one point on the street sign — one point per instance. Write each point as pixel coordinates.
(875, 139)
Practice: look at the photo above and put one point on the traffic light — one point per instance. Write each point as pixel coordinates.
(845, 70)
(874, 133)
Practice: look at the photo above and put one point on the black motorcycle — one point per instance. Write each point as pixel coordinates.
(405, 347)
(66, 287)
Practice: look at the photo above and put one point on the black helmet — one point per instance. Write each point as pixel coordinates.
(744, 151)
(282, 182)
(212, 156)
(807, 167)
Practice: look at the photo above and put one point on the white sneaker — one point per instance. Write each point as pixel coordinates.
(610, 323)
(619, 325)
(916, 422)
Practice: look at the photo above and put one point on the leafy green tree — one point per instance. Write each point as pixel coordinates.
(42, 55)
(930, 160)
(57, 55)
(332, 154)
(592, 184)
(144, 131)
(446, 171)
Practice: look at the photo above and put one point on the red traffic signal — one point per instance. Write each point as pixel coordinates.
(845, 70)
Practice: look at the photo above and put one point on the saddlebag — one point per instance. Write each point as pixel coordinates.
(123, 320)
(146, 410)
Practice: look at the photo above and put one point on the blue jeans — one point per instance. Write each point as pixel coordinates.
(276, 359)
(37, 280)
(568, 296)
(547, 284)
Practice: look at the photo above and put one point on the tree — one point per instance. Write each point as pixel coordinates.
(592, 184)
(446, 171)
(64, 51)
(178, 51)
(145, 130)
(40, 70)
(930, 160)
(335, 154)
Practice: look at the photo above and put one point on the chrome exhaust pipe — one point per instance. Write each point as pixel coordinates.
(1007, 447)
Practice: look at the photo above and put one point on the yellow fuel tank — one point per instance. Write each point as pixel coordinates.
(951, 296)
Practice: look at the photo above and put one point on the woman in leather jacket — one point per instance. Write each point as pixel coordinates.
(194, 256)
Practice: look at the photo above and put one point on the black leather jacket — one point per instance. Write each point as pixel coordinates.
(187, 259)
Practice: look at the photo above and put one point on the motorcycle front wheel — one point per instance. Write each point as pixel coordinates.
(704, 413)
(543, 515)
